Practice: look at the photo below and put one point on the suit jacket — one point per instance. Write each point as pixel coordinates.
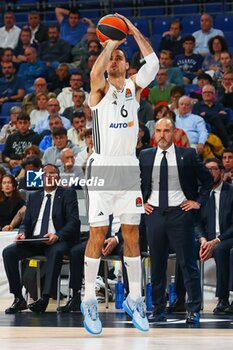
(225, 216)
(41, 34)
(192, 173)
(65, 214)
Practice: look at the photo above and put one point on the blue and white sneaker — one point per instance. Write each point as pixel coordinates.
(91, 321)
(136, 310)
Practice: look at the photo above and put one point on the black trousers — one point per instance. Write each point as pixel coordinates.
(13, 253)
(224, 267)
(231, 271)
(173, 228)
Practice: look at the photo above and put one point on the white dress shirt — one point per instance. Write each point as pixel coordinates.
(9, 38)
(217, 191)
(175, 194)
(51, 228)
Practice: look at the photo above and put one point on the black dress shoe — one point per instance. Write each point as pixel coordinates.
(38, 306)
(158, 315)
(73, 304)
(229, 309)
(177, 306)
(193, 317)
(220, 308)
(19, 304)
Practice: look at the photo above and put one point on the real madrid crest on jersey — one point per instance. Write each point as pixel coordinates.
(128, 93)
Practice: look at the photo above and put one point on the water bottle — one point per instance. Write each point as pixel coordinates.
(172, 292)
(149, 295)
(119, 296)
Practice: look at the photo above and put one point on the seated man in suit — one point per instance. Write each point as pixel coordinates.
(51, 213)
(215, 230)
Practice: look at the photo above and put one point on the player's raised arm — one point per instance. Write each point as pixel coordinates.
(149, 70)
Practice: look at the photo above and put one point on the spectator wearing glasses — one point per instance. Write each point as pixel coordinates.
(65, 98)
(213, 113)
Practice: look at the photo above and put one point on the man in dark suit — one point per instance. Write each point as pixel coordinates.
(51, 213)
(170, 177)
(215, 231)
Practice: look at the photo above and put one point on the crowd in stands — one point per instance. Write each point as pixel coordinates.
(46, 70)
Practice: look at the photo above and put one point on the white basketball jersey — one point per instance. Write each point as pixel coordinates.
(115, 122)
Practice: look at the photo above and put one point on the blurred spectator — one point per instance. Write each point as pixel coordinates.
(10, 202)
(47, 140)
(17, 143)
(85, 68)
(23, 43)
(32, 162)
(174, 73)
(53, 108)
(162, 92)
(11, 127)
(227, 160)
(159, 112)
(59, 79)
(30, 151)
(29, 101)
(176, 94)
(32, 69)
(72, 27)
(202, 80)
(11, 86)
(75, 133)
(141, 144)
(216, 45)
(225, 66)
(82, 156)
(213, 113)
(65, 98)
(6, 56)
(78, 98)
(38, 30)
(82, 48)
(87, 111)
(226, 92)
(188, 62)
(203, 35)
(69, 171)
(138, 60)
(52, 154)
(40, 112)
(192, 124)
(171, 40)
(55, 50)
(2, 173)
(9, 33)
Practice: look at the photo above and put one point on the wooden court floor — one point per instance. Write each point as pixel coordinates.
(51, 331)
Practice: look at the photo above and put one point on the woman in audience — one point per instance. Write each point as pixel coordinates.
(10, 128)
(32, 150)
(40, 113)
(176, 94)
(217, 44)
(10, 203)
(159, 113)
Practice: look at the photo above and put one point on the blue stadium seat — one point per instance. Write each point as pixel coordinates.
(6, 107)
(132, 43)
(229, 116)
(161, 25)
(127, 12)
(141, 24)
(189, 88)
(191, 24)
(152, 11)
(214, 7)
(128, 50)
(186, 9)
(229, 37)
(155, 41)
(224, 22)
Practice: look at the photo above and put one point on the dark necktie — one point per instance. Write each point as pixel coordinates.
(45, 218)
(212, 214)
(163, 183)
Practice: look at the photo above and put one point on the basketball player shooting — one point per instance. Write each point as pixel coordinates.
(114, 103)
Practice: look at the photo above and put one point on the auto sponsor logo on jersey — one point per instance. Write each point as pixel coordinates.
(138, 202)
(128, 93)
(121, 125)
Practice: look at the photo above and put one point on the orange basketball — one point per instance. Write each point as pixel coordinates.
(111, 27)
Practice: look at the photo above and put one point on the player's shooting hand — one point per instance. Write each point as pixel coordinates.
(130, 25)
(112, 43)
